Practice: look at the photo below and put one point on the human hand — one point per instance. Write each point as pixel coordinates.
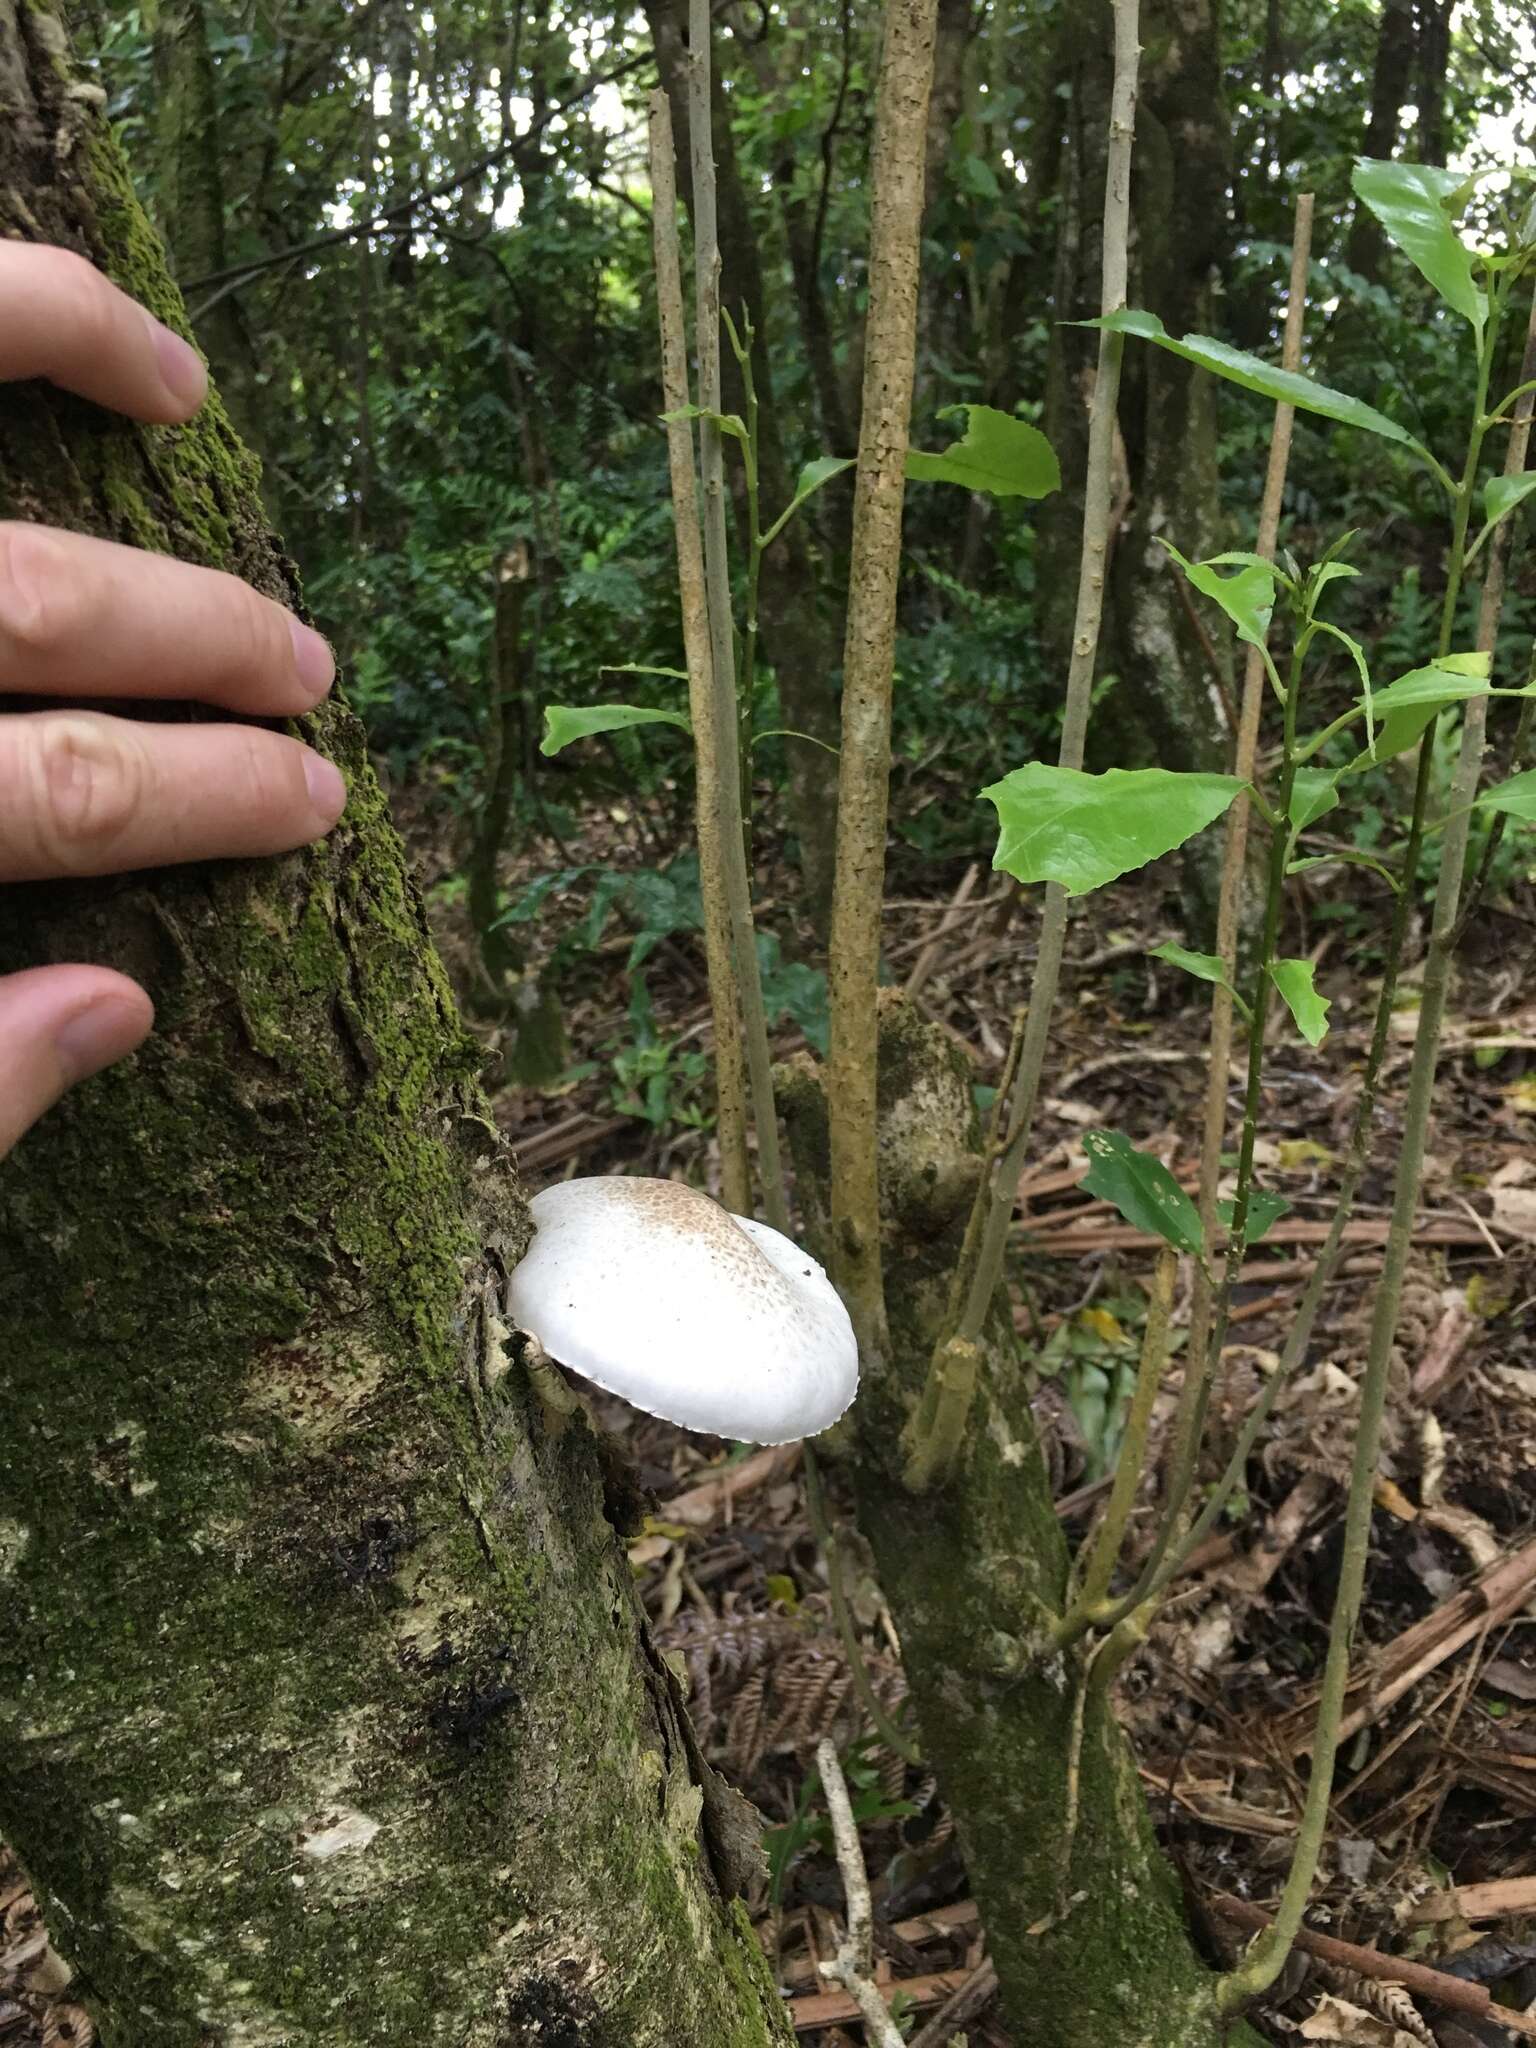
(82, 793)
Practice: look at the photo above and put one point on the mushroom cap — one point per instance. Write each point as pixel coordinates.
(713, 1321)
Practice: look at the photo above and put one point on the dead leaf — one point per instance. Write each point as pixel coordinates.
(1514, 1210)
(1352, 2026)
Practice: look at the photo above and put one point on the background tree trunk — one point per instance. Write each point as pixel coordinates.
(798, 634)
(325, 1713)
(1389, 89)
(1169, 703)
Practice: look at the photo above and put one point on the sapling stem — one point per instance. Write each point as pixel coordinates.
(1105, 1549)
(869, 659)
(945, 1407)
(1194, 1397)
(738, 881)
(741, 348)
(1264, 1961)
(1229, 906)
(724, 994)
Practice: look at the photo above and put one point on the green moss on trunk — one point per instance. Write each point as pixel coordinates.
(970, 1572)
(326, 1714)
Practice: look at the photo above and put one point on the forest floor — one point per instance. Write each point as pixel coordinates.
(1432, 1851)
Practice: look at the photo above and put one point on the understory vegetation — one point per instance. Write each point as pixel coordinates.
(1009, 752)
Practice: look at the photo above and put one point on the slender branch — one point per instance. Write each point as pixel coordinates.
(738, 881)
(1262, 1965)
(854, 1968)
(869, 656)
(1105, 1551)
(1229, 909)
(996, 1195)
(724, 995)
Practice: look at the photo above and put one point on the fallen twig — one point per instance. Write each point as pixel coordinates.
(1453, 1993)
(854, 1967)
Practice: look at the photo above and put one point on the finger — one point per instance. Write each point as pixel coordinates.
(84, 794)
(65, 322)
(58, 1024)
(84, 617)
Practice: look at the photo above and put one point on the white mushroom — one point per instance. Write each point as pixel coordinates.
(654, 1292)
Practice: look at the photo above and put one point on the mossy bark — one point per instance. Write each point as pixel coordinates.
(326, 1715)
(1091, 1946)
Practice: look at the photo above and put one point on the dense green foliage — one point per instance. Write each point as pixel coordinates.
(474, 381)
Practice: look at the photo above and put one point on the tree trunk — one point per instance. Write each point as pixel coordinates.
(1088, 1936)
(325, 1711)
(191, 197)
(1389, 89)
(1433, 61)
(1168, 700)
(797, 633)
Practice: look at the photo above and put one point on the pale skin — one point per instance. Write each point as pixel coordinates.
(86, 793)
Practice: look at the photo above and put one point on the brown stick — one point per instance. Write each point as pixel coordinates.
(724, 994)
(1454, 1993)
(869, 658)
(1230, 901)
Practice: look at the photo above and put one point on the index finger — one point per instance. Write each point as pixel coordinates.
(61, 319)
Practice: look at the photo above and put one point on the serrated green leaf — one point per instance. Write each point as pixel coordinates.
(1293, 979)
(1502, 494)
(1287, 387)
(1264, 1211)
(1409, 201)
(1516, 797)
(564, 723)
(1142, 1189)
(998, 454)
(1060, 825)
(1247, 596)
(1204, 966)
(1314, 793)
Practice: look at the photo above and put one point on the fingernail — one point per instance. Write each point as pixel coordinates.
(327, 791)
(312, 658)
(181, 367)
(104, 1031)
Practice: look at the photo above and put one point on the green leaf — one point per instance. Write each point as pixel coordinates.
(1362, 669)
(1516, 797)
(976, 176)
(641, 668)
(1247, 596)
(1409, 201)
(1407, 706)
(1254, 374)
(728, 422)
(1293, 978)
(1059, 825)
(817, 472)
(998, 454)
(1501, 494)
(1204, 966)
(1264, 1211)
(566, 722)
(1142, 1189)
(1314, 793)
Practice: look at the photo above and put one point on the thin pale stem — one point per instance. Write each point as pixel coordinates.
(869, 658)
(1229, 908)
(999, 1186)
(724, 995)
(738, 881)
(1265, 1960)
(1105, 1550)
(854, 1968)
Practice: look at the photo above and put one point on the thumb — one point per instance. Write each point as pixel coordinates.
(57, 1025)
